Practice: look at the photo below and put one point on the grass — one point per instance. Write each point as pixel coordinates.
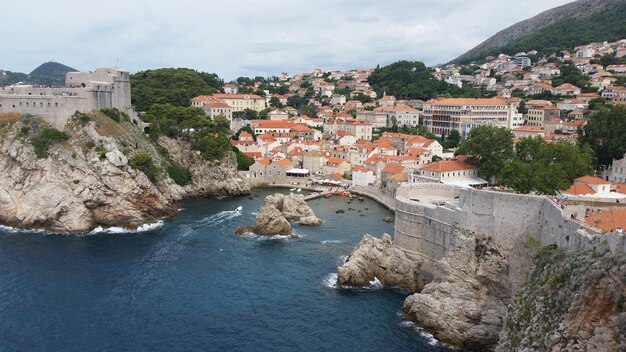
(107, 127)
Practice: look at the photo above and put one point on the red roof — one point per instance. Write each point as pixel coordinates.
(608, 220)
(448, 165)
(592, 180)
(283, 163)
(394, 168)
(580, 189)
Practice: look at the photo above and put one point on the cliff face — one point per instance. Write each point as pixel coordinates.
(572, 302)
(86, 181)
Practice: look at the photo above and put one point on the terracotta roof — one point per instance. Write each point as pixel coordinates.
(264, 161)
(253, 155)
(619, 187)
(567, 86)
(580, 189)
(283, 163)
(244, 134)
(334, 162)
(468, 101)
(592, 180)
(360, 168)
(394, 168)
(528, 129)
(608, 220)
(448, 165)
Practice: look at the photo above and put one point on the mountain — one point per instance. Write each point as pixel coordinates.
(50, 73)
(8, 77)
(563, 27)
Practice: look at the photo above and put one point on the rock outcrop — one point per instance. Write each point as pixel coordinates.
(465, 304)
(572, 302)
(380, 259)
(86, 181)
(277, 210)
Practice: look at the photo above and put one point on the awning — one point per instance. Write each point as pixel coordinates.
(466, 182)
(298, 171)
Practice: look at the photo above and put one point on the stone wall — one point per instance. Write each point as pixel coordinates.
(428, 214)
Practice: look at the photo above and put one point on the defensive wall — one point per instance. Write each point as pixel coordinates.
(84, 92)
(429, 214)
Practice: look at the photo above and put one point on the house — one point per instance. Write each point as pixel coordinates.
(346, 138)
(566, 89)
(237, 102)
(213, 109)
(336, 165)
(572, 104)
(528, 131)
(618, 69)
(362, 176)
(538, 115)
(277, 115)
(387, 100)
(431, 145)
(390, 170)
(451, 172)
(590, 186)
(338, 99)
(617, 170)
(360, 129)
(613, 220)
(230, 88)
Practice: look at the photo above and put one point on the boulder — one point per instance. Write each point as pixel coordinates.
(381, 259)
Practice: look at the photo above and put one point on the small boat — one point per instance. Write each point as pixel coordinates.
(239, 209)
(299, 190)
(293, 189)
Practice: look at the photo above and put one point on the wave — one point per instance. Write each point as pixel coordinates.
(342, 259)
(254, 236)
(215, 219)
(9, 229)
(330, 281)
(427, 336)
(118, 230)
(330, 241)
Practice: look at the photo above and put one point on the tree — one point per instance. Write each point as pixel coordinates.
(309, 110)
(544, 167)
(488, 147)
(174, 86)
(296, 102)
(246, 114)
(453, 139)
(222, 124)
(605, 134)
(275, 102)
(246, 128)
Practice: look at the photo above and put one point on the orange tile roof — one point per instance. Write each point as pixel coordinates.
(592, 180)
(245, 134)
(264, 161)
(283, 163)
(619, 187)
(394, 168)
(448, 165)
(334, 162)
(360, 168)
(468, 101)
(608, 220)
(253, 155)
(580, 189)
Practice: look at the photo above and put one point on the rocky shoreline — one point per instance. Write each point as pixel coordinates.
(86, 181)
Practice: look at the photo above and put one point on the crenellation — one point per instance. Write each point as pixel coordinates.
(83, 92)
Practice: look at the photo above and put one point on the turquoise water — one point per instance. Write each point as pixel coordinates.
(192, 285)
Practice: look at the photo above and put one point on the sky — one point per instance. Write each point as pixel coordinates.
(250, 38)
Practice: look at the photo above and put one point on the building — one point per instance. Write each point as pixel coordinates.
(450, 172)
(83, 91)
(360, 129)
(237, 102)
(231, 88)
(528, 131)
(217, 108)
(617, 171)
(613, 220)
(523, 61)
(566, 89)
(377, 118)
(538, 115)
(362, 176)
(444, 115)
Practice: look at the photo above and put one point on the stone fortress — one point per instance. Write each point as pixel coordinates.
(428, 215)
(83, 92)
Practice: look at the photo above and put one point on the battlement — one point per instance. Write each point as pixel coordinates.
(428, 215)
(83, 92)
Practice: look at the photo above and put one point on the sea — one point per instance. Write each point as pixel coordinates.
(188, 283)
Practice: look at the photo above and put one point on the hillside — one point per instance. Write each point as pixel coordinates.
(50, 73)
(8, 77)
(562, 27)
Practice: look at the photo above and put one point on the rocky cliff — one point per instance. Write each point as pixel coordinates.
(85, 180)
(573, 301)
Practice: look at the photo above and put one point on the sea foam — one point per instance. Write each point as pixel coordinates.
(118, 230)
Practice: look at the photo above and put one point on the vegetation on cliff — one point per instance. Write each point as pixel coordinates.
(572, 301)
(564, 27)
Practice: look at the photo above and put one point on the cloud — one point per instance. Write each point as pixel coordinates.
(249, 38)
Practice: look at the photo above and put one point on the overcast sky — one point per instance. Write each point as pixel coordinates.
(247, 38)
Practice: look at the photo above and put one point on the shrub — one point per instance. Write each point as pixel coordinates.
(181, 175)
(45, 139)
(144, 163)
(243, 161)
(114, 114)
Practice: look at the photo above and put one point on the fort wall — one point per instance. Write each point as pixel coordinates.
(428, 215)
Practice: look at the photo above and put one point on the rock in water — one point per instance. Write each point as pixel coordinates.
(465, 304)
(277, 210)
(381, 259)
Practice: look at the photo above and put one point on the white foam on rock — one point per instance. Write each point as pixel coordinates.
(427, 336)
(120, 230)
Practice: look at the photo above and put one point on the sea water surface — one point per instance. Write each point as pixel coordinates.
(192, 285)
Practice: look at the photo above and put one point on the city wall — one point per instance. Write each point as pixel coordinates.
(428, 215)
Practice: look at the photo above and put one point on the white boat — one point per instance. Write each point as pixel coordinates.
(299, 190)
(293, 189)
(239, 209)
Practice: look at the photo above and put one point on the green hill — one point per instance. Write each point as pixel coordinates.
(563, 27)
(8, 78)
(50, 73)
